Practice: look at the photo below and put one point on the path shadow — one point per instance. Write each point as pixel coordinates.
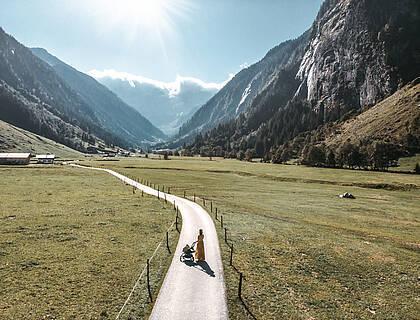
(202, 266)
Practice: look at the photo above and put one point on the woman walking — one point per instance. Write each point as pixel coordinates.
(199, 253)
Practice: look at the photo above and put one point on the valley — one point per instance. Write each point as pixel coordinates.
(179, 159)
(304, 251)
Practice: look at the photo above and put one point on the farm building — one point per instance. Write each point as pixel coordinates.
(15, 158)
(45, 158)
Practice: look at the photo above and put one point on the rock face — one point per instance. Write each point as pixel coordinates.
(360, 52)
(356, 53)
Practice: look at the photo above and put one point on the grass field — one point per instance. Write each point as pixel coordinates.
(306, 253)
(409, 163)
(72, 243)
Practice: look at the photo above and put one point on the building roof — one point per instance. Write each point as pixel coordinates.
(15, 155)
(45, 156)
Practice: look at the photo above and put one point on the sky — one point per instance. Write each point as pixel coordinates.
(162, 40)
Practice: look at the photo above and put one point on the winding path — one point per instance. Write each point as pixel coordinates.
(189, 290)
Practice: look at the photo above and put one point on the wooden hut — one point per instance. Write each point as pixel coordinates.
(15, 158)
(45, 158)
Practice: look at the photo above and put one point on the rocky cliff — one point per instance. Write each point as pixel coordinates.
(356, 53)
(360, 52)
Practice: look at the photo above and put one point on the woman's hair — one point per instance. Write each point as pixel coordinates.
(200, 231)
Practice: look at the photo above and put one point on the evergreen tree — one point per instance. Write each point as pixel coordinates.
(331, 162)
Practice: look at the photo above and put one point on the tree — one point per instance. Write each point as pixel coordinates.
(259, 147)
(331, 162)
(382, 155)
(249, 154)
(240, 155)
(315, 156)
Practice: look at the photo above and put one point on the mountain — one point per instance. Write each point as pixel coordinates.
(167, 105)
(385, 132)
(14, 139)
(111, 112)
(357, 53)
(34, 97)
(239, 94)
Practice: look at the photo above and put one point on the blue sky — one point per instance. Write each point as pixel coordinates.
(158, 39)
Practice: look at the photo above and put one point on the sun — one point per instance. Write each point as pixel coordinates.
(149, 13)
(141, 14)
(151, 21)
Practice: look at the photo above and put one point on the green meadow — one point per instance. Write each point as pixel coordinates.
(73, 242)
(305, 252)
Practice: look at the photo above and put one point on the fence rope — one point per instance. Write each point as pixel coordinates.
(141, 275)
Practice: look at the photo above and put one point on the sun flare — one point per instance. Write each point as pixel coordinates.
(146, 15)
(149, 13)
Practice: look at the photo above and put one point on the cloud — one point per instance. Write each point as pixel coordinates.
(174, 88)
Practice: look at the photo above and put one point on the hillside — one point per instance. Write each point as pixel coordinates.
(356, 54)
(76, 112)
(395, 119)
(112, 113)
(375, 138)
(14, 139)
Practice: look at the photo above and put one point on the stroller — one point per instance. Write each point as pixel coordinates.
(188, 253)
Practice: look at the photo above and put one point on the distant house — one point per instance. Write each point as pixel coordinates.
(15, 158)
(45, 158)
(163, 151)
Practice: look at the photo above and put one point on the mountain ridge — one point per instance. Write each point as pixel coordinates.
(35, 97)
(124, 121)
(350, 59)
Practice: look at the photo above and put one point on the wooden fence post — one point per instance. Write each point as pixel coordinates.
(211, 206)
(204, 202)
(226, 235)
(194, 197)
(169, 190)
(174, 205)
(165, 198)
(231, 254)
(134, 190)
(148, 281)
(221, 221)
(158, 195)
(142, 193)
(240, 286)
(167, 243)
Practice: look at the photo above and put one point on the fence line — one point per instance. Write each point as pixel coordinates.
(230, 246)
(141, 275)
